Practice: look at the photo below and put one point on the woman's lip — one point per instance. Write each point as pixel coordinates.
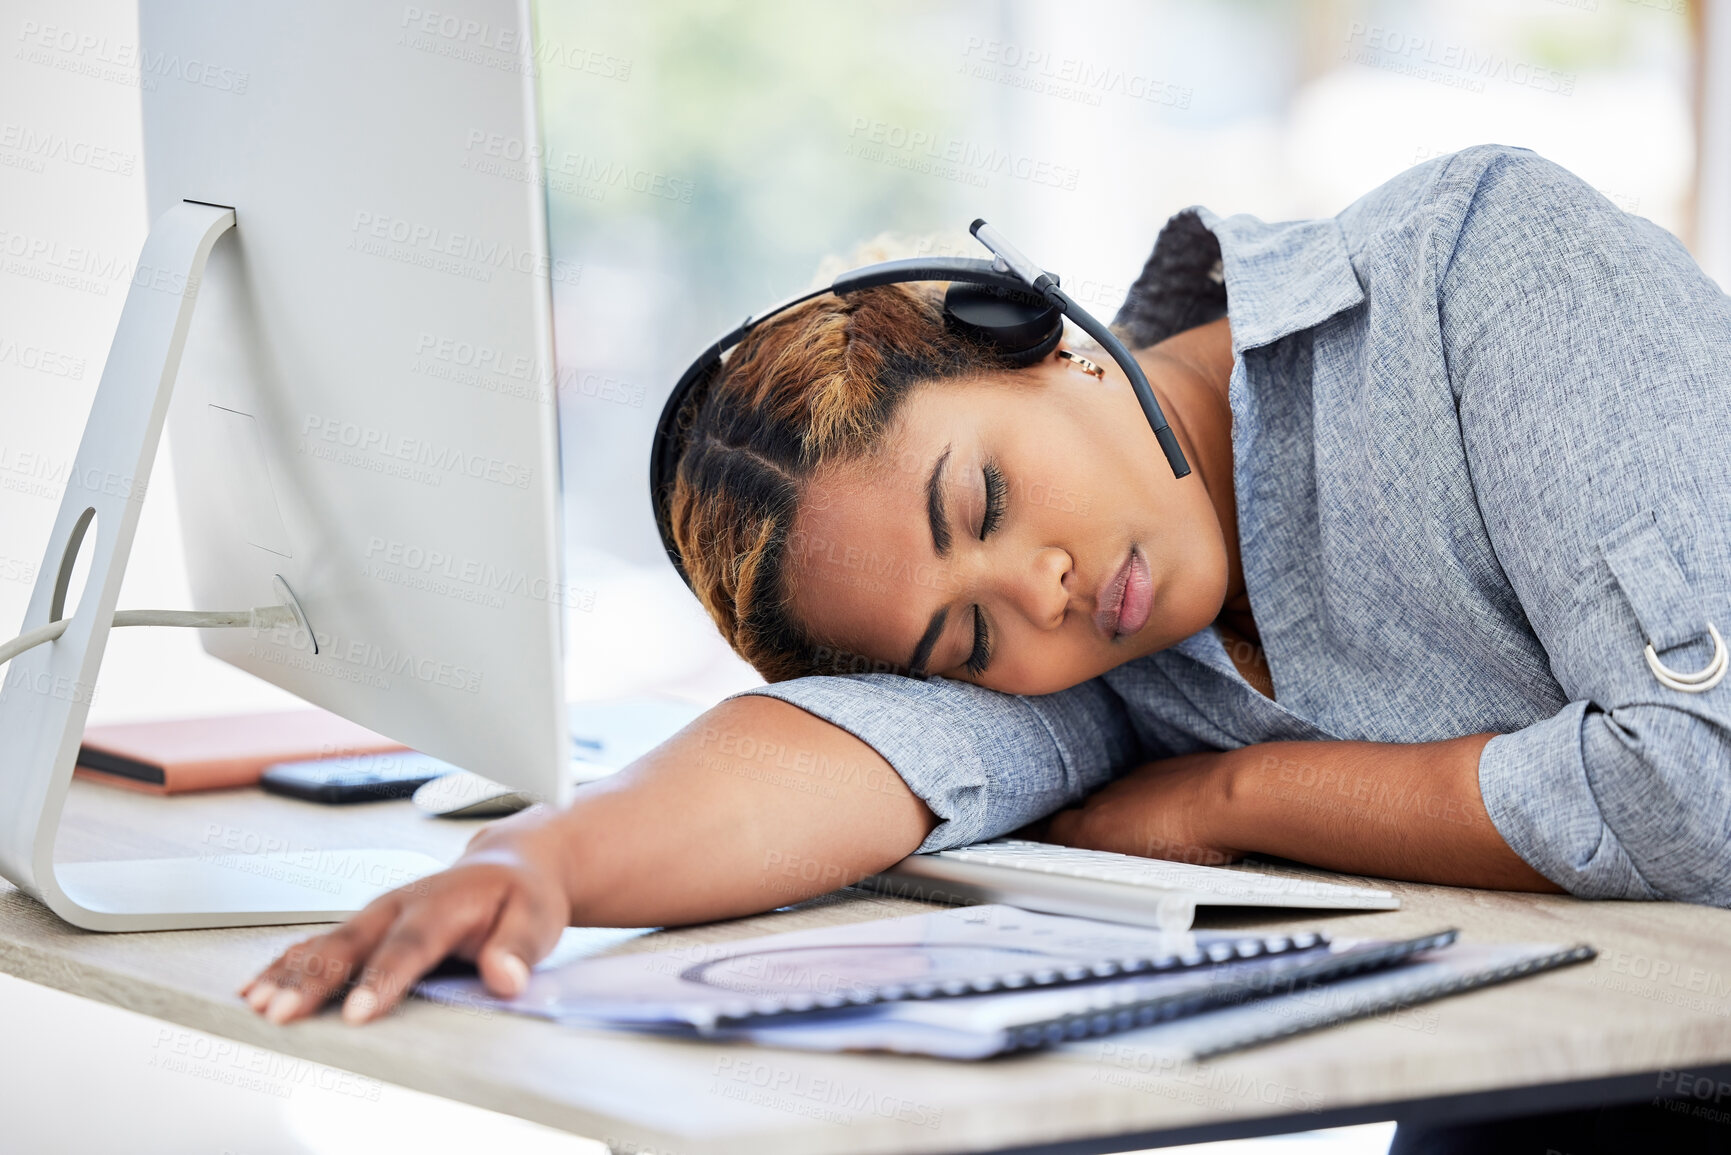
(1138, 600)
(1126, 599)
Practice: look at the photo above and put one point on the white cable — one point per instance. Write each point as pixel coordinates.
(31, 640)
(259, 618)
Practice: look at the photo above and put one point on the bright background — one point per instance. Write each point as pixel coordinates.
(765, 137)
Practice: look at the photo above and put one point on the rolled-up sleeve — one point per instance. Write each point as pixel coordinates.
(1591, 361)
(985, 762)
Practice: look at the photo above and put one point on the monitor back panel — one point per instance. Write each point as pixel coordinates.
(366, 404)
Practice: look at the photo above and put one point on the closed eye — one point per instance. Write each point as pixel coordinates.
(982, 652)
(996, 490)
(995, 493)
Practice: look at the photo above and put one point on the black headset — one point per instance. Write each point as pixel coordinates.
(1009, 302)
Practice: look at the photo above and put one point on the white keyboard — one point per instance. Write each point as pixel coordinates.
(1100, 884)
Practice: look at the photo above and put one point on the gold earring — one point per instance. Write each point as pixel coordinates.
(1083, 364)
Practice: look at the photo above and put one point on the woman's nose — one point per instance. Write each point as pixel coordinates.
(1041, 592)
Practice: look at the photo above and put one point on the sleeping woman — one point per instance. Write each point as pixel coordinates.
(1440, 600)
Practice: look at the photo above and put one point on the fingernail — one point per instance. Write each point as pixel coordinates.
(517, 971)
(282, 1005)
(260, 997)
(360, 1005)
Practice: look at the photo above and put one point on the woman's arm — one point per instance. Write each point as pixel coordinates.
(1392, 810)
(755, 805)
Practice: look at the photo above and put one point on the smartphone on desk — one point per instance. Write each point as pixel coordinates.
(364, 778)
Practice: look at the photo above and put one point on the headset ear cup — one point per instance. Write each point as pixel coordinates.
(1036, 353)
(1020, 327)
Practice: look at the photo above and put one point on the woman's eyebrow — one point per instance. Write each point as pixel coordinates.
(935, 512)
(939, 519)
(923, 650)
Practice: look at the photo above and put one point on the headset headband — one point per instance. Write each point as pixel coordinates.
(1008, 272)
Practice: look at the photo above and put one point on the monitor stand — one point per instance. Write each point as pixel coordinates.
(45, 694)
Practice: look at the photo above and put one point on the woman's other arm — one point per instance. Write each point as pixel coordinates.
(755, 805)
(1586, 352)
(1409, 811)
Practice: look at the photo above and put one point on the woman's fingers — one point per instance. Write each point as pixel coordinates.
(426, 932)
(519, 940)
(502, 905)
(307, 974)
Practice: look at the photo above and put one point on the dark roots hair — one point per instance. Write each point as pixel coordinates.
(815, 385)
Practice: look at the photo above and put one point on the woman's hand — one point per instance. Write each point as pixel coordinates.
(724, 819)
(1166, 809)
(502, 906)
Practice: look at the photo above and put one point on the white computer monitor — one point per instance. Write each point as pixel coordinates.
(342, 311)
(365, 403)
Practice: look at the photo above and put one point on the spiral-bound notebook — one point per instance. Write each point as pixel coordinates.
(973, 982)
(981, 1026)
(1183, 1015)
(940, 954)
(1393, 992)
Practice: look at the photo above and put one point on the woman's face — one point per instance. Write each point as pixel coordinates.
(1021, 531)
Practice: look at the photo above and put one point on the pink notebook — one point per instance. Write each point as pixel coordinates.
(177, 755)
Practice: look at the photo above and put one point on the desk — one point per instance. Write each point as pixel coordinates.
(1658, 998)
